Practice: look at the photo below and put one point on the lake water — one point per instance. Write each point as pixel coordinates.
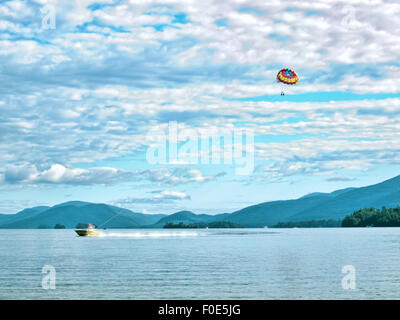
(201, 264)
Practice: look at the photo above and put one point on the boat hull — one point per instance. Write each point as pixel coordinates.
(85, 233)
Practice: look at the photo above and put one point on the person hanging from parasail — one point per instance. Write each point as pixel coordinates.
(287, 77)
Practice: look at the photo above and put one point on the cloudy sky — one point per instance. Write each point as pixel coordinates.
(89, 87)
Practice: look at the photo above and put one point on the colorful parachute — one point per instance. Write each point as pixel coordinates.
(287, 76)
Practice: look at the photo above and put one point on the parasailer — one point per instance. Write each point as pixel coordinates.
(287, 77)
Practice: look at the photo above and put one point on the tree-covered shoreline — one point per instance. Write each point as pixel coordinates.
(202, 225)
(309, 224)
(365, 217)
(372, 217)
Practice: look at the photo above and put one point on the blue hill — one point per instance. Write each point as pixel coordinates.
(21, 215)
(71, 213)
(188, 217)
(319, 206)
(315, 206)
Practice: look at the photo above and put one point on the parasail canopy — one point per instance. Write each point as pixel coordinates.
(287, 76)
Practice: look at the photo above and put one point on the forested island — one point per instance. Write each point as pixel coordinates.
(371, 217)
(366, 217)
(309, 224)
(203, 225)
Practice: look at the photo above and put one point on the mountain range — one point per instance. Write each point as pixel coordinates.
(315, 206)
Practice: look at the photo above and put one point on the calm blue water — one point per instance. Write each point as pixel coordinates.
(201, 264)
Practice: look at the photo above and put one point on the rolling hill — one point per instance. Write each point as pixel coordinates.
(319, 206)
(24, 214)
(188, 217)
(71, 213)
(315, 206)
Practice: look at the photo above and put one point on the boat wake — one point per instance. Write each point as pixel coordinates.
(149, 234)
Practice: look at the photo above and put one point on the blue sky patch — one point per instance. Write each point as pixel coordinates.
(278, 37)
(251, 10)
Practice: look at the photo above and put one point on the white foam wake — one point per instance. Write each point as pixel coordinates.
(149, 234)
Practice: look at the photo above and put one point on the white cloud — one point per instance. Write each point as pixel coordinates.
(157, 198)
(59, 174)
(172, 195)
(92, 88)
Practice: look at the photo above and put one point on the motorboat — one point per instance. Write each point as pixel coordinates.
(89, 231)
